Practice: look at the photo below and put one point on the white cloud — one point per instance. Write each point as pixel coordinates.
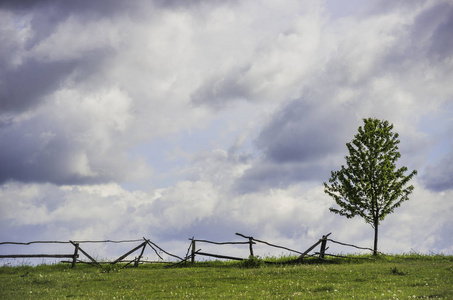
(228, 116)
(412, 224)
(293, 217)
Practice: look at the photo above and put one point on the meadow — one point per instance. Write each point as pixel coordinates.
(411, 276)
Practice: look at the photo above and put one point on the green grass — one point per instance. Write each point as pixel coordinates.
(388, 277)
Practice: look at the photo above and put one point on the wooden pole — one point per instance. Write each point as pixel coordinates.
(192, 257)
(86, 254)
(76, 252)
(251, 242)
(140, 256)
(187, 253)
(123, 256)
(309, 249)
(219, 256)
(272, 245)
(152, 244)
(89, 257)
(323, 247)
(155, 251)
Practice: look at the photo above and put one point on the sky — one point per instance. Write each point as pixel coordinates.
(179, 119)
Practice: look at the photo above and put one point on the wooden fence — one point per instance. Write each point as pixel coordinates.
(322, 243)
(192, 251)
(78, 251)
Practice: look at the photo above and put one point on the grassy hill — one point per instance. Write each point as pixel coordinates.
(387, 277)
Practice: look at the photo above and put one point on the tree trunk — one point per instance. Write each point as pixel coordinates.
(376, 226)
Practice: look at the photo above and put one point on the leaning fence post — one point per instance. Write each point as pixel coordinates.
(192, 257)
(76, 254)
(323, 247)
(140, 256)
(250, 246)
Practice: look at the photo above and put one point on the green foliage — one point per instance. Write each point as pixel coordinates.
(370, 185)
(252, 262)
(395, 271)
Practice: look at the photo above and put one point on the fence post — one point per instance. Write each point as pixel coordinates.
(323, 247)
(250, 246)
(76, 254)
(192, 257)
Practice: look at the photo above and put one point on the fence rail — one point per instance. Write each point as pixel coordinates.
(37, 256)
(69, 242)
(35, 242)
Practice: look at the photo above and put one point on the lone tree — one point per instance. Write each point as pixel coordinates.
(370, 186)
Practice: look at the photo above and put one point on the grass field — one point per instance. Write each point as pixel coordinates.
(388, 277)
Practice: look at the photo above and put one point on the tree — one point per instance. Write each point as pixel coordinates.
(370, 186)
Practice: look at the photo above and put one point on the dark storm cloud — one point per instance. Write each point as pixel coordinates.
(441, 180)
(432, 33)
(301, 132)
(33, 155)
(43, 148)
(429, 36)
(101, 7)
(65, 7)
(439, 176)
(389, 6)
(24, 87)
(47, 15)
(23, 4)
(267, 175)
(296, 143)
(436, 26)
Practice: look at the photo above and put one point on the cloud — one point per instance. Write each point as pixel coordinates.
(438, 173)
(295, 216)
(425, 234)
(280, 60)
(218, 117)
(431, 29)
(25, 87)
(70, 142)
(47, 49)
(303, 141)
(71, 97)
(306, 137)
(440, 176)
(73, 65)
(302, 132)
(164, 214)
